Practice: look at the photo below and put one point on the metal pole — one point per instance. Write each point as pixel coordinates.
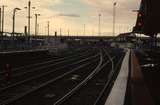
(2, 31)
(114, 17)
(29, 21)
(36, 15)
(48, 28)
(13, 30)
(0, 19)
(68, 32)
(37, 29)
(13, 27)
(99, 25)
(14, 11)
(0, 28)
(36, 22)
(60, 32)
(84, 31)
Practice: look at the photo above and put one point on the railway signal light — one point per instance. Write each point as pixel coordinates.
(140, 22)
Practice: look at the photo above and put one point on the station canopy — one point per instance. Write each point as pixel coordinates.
(148, 18)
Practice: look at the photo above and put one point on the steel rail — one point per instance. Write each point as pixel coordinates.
(43, 85)
(44, 67)
(42, 63)
(84, 82)
(80, 84)
(109, 81)
(45, 74)
(51, 65)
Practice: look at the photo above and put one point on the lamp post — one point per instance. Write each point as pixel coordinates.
(2, 24)
(114, 17)
(13, 27)
(36, 22)
(3, 18)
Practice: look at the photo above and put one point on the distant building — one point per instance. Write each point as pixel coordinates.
(125, 40)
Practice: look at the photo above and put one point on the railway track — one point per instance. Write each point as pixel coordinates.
(92, 89)
(32, 84)
(50, 70)
(27, 61)
(80, 83)
(24, 59)
(43, 60)
(30, 70)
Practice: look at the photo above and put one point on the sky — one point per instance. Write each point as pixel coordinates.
(71, 15)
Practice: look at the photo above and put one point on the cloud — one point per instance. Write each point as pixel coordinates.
(42, 7)
(68, 15)
(124, 14)
(61, 13)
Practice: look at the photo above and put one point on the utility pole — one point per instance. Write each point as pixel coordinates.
(60, 32)
(0, 20)
(29, 17)
(84, 29)
(68, 32)
(13, 27)
(3, 18)
(48, 27)
(36, 22)
(37, 29)
(29, 20)
(114, 17)
(0, 26)
(99, 25)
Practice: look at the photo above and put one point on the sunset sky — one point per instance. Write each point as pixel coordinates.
(72, 15)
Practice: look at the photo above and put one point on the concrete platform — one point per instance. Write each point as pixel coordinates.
(23, 51)
(140, 94)
(117, 94)
(130, 83)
